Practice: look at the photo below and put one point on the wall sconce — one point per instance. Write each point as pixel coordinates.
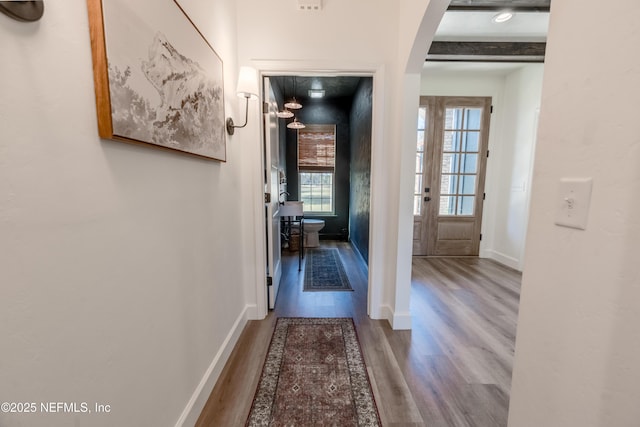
(247, 89)
(26, 11)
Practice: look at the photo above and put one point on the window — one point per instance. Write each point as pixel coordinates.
(460, 153)
(316, 167)
(417, 191)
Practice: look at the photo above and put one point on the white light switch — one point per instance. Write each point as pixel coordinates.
(574, 197)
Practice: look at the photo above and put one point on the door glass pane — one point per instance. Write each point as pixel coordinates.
(448, 184)
(447, 205)
(420, 141)
(467, 184)
(469, 163)
(453, 118)
(451, 141)
(418, 185)
(465, 205)
(422, 121)
(450, 163)
(419, 162)
(470, 141)
(417, 202)
(472, 118)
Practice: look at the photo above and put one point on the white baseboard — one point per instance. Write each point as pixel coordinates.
(401, 321)
(199, 398)
(251, 312)
(378, 314)
(398, 321)
(503, 259)
(384, 312)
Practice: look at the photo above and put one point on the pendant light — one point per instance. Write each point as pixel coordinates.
(292, 104)
(295, 124)
(285, 113)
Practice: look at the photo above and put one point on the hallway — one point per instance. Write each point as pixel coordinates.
(452, 369)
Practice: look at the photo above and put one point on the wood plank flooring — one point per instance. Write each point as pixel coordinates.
(452, 369)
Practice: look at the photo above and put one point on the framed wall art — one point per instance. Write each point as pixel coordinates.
(158, 82)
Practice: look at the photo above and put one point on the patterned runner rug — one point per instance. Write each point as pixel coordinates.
(314, 375)
(324, 271)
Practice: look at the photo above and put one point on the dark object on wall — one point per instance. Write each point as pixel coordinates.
(26, 11)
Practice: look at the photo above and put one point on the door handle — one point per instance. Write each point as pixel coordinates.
(427, 198)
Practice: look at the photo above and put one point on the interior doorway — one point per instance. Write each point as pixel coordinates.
(451, 158)
(345, 103)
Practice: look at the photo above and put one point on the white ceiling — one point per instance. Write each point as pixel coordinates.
(478, 26)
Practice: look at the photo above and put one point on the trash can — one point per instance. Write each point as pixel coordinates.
(294, 239)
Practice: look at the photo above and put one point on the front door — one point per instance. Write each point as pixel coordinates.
(453, 135)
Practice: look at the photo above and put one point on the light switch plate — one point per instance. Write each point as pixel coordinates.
(574, 198)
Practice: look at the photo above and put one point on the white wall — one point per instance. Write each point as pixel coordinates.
(578, 339)
(515, 93)
(359, 37)
(512, 161)
(124, 270)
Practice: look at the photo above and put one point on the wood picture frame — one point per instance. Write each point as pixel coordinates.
(158, 82)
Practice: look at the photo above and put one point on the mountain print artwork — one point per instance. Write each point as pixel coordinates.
(184, 118)
(158, 81)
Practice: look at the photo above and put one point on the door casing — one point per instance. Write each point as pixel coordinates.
(272, 187)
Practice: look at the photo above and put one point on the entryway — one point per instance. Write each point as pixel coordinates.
(451, 158)
(317, 151)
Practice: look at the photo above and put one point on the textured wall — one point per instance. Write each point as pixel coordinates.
(360, 173)
(122, 268)
(578, 338)
(512, 165)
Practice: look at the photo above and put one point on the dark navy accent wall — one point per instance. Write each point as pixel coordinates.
(336, 112)
(360, 194)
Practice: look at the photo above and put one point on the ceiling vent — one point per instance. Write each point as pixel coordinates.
(314, 5)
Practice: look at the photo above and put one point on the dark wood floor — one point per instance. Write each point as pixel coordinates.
(452, 369)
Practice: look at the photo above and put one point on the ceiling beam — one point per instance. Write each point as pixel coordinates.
(487, 51)
(491, 5)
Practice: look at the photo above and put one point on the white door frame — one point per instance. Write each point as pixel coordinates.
(302, 68)
(272, 186)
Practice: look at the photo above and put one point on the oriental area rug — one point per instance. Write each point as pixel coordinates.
(324, 271)
(314, 375)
